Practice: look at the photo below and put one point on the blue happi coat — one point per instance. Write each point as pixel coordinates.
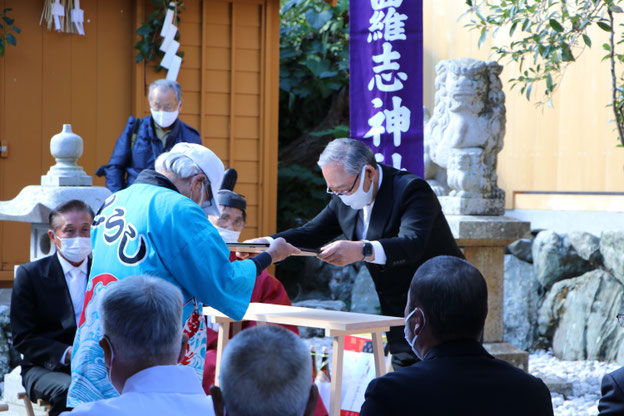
(150, 228)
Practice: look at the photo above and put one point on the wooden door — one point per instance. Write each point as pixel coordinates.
(52, 78)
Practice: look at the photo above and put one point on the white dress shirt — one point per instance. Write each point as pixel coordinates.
(161, 390)
(363, 222)
(76, 279)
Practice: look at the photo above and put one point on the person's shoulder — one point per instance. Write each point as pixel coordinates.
(100, 407)
(189, 132)
(617, 376)
(38, 265)
(398, 380)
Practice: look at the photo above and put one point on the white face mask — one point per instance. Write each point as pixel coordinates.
(359, 199)
(406, 331)
(165, 118)
(75, 249)
(228, 236)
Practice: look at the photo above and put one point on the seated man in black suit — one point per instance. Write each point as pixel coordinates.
(445, 315)
(612, 400)
(46, 303)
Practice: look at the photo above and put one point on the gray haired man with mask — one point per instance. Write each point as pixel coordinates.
(390, 219)
(444, 319)
(144, 139)
(141, 355)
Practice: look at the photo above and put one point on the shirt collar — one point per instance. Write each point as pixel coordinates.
(68, 267)
(180, 379)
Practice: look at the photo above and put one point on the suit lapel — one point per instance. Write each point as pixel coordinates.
(383, 205)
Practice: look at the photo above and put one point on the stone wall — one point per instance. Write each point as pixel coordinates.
(564, 291)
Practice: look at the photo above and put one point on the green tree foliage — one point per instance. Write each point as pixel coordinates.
(314, 68)
(314, 62)
(148, 46)
(545, 36)
(7, 28)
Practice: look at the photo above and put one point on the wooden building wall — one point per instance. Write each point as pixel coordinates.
(562, 158)
(229, 76)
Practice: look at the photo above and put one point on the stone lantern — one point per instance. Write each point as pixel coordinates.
(63, 182)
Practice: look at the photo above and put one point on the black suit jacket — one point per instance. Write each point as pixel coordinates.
(42, 314)
(458, 378)
(408, 222)
(612, 400)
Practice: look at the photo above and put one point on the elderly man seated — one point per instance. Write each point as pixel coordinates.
(280, 384)
(444, 318)
(141, 354)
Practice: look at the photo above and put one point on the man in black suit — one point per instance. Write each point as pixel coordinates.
(46, 303)
(612, 400)
(444, 318)
(391, 219)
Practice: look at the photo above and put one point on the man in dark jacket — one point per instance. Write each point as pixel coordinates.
(444, 318)
(390, 219)
(46, 303)
(144, 139)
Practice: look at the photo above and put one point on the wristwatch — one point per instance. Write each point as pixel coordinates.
(367, 250)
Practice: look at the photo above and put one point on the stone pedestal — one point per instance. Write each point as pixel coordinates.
(454, 205)
(483, 240)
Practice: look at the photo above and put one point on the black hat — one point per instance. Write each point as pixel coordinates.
(226, 195)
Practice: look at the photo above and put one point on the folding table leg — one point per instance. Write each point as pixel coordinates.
(224, 336)
(378, 354)
(336, 376)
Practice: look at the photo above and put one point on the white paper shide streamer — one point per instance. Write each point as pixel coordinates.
(169, 46)
(77, 17)
(58, 12)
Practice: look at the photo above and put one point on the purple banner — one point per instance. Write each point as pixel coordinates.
(386, 85)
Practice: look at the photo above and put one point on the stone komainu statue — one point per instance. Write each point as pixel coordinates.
(465, 134)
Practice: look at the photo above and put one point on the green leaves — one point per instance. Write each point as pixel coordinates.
(148, 46)
(316, 19)
(314, 63)
(547, 35)
(555, 25)
(6, 37)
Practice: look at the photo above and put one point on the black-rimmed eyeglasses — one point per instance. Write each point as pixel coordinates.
(329, 191)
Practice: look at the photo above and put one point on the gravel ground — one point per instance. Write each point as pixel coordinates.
(584, 377)
(574, 385)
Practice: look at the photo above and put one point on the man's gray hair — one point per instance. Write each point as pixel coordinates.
(268, 366)
(165, 83)
(351, 154)
(178, 164)
(123, 309)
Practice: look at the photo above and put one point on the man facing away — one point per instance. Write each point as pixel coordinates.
(391, 220)
(444, 319)
(46, 303)
(144, 139)
(279, 384)
(141, 355)
(159, 226)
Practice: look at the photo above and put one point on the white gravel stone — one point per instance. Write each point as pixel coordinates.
(585, 377)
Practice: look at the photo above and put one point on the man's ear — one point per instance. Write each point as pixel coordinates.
(217, 401)
(107, 352)
(311, 406)
(419, 323)
(52, 237)
(183, 345)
